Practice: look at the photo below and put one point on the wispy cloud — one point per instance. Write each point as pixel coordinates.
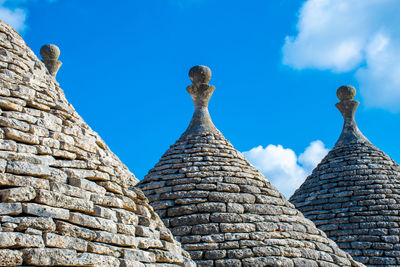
(282, 167)
(351, 36)
(15, 17)
(14, 13)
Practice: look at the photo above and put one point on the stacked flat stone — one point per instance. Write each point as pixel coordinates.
(354, 194)
(65, 197)
(224, 211)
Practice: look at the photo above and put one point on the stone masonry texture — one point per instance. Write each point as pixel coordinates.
(65, 197)
(224, 211)
(353, 195)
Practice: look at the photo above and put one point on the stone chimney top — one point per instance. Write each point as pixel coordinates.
(50, 54)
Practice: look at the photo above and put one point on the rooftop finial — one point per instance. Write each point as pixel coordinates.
(50, 54)
(200, 74)
(201, 92)
(346, 92)
(347, 106)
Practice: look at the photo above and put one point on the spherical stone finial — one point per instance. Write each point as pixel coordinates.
(200, 74)
(50, 52)
(346, 92)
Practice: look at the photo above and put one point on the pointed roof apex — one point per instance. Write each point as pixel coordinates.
(201, 92)
(353, 192)
(224, 211)
(347, 106)
(50, 54)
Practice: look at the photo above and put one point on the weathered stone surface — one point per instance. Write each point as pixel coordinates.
(18, 194)
(59, 241)
(91, 259)
(93, 222)
(14, 180)
(116, 239)
(128, 263)
(10, 208)
(68, 229)
(69, 190)
(45, 211)
(40, 223)
(27, 168)
(87, 185)
(138, 255)
(224, 211)
(65, 198)
(104, 249)
(23, 138)
(9, 257)
(107, 201)
(353, 194)
(59, 200)
(50, 257)
(168, 257)
(19, 240)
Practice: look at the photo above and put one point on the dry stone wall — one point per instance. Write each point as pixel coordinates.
(65, 197)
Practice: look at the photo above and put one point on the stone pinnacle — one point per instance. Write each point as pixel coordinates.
(50, 54)
(200, 92)
(347, 106)
(346, 92)
(200, 74)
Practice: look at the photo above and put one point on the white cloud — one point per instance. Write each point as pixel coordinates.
(14, 13)
(15, 17)
(282, 167)
(313, 154)
(351, 35)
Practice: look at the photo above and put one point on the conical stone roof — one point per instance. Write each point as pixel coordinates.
(354, 194)
(64, 195)
(223, 211)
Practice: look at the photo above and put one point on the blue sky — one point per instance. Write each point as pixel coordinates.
(276, 66)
